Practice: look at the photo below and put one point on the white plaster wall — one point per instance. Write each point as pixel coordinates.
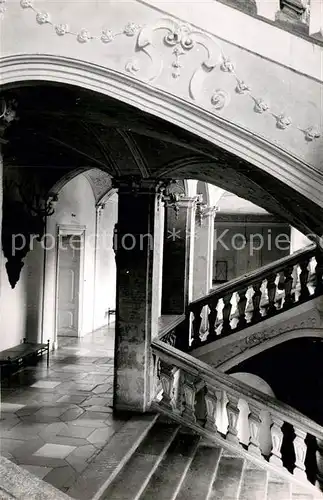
(21, 307)
(75, 207)
(105, 288)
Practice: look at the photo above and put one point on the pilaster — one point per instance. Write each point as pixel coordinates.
(203, 252)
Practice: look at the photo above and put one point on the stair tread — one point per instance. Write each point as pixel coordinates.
(132, 480)
(112, 457)
(167, 479)
(227, 481)
(254, 483)
(200, 474)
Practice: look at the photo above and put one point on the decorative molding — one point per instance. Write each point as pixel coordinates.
(230, 355)
(182, 38)
(266, 155)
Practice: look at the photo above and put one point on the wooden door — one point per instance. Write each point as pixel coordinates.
(69, 285)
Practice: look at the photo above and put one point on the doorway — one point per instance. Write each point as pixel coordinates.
(69, 291)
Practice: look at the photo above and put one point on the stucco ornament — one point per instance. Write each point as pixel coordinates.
(107, 36)
(220, 99)
(2, 8)
(260, 106)
(283, 121)
(242, 87)
(131, 29)
(84, 36)
(312, 133)
(181, 39)
(61, 29)
(26, 4)
(227, 65)
(132, 66)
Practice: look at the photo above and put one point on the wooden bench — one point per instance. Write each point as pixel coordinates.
(21, 355)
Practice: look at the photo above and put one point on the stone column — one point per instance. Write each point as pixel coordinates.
(203, 253)
(136, 311)
(178, 255)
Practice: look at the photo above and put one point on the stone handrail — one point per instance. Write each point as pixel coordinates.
(193, 392)
(253, 297)
(302, 17)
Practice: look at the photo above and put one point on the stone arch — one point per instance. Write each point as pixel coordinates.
(268, 344)
(270, 158)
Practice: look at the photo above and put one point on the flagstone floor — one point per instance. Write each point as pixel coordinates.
(55, 421)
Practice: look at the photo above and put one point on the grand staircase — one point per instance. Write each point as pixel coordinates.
(171, 463)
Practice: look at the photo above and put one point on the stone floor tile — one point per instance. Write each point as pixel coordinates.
(100, 437)
(96, 400)
(59, 476)
(89, 422)
(8, 423)
(72, 398)
(28, 409)
(27, 449)
(10, 407)
(37, 470)
(85, 453)
(74, 431)
(45, 384)
(9, 445)
(71, 414)
(102, 388)
(24, 431)
(49, 411)
(54, 451)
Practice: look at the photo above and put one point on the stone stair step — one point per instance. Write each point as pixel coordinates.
(168, 478)
(254, 483)
(112, 458)
(278, 489)
(134, 477)
(228, 479)
(200, 475)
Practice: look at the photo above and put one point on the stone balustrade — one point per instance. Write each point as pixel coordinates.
(220, 408)
(250, 299)
(300, 16)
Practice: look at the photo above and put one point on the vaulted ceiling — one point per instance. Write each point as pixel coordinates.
(62, 129)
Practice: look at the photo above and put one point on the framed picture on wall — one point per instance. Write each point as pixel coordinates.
(221, 271)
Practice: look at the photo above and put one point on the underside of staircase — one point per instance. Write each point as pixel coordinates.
(172, 463)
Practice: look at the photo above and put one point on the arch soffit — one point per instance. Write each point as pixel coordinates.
(269, 157)
(268, 344)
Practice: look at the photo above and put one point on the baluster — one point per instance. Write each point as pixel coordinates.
(288, 284)
(256, 298)
(212, 318)
(303, 277)
(300, 453)
(226, 327)
(319, 273)
(197, 311)
(319, 462)
(233, 416)
(242, 308)
(167, 375)
(211, 405)
(271, 289)
(276, 439)
(189, 389)
(254, 421)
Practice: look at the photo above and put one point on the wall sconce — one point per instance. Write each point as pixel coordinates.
(24, 215)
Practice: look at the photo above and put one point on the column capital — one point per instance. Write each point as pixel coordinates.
(135, 185)
(180, 200)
